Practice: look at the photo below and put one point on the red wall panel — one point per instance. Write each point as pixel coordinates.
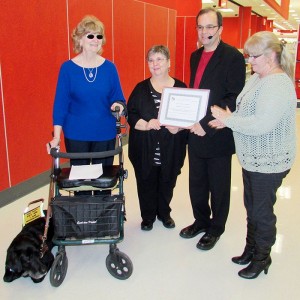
(172, 39)
(244, 25)
(297, 71)
(253, 24)
(129, 49)
(30, 62)
(191, 43)
(230, 33)
(297, 85)
(164, 3)
(188, 7)
(186, 43)
(4, 180)
(180, 42)
(156, 28)
(298, 52)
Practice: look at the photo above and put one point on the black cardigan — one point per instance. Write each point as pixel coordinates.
(142, 143)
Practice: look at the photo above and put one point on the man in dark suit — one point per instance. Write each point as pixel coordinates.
(220, 68)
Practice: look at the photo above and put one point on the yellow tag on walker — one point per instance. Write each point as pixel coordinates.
(33, 214)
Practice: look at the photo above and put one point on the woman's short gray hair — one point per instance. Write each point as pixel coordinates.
(158, 49)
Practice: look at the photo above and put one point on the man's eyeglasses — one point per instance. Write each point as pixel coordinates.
(90, 36)
(207, 27)
(158, 60)
(253, 56)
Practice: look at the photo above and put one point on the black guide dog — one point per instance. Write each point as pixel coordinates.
(24, 253)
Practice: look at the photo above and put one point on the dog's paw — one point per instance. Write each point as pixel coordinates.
(38, 280)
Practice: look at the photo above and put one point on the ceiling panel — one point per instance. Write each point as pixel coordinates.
(261, 8)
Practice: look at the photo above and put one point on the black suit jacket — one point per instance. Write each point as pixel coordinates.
(224, 76)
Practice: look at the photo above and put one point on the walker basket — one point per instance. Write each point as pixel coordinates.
(87, 217)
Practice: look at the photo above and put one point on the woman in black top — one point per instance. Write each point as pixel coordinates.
(156, 152)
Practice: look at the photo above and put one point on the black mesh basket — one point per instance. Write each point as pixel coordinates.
(87, 217)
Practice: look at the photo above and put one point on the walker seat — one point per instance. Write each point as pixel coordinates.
(107, 180)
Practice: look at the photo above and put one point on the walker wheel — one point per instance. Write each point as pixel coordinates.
(59, 269)
(119, 265)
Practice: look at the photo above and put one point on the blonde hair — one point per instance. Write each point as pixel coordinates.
(86, 25)
(266, 42)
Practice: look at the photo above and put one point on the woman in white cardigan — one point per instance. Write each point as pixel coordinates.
(264, 129)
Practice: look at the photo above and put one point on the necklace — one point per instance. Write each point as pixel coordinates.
(91, 75)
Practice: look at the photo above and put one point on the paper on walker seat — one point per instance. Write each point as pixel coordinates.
(86, 171)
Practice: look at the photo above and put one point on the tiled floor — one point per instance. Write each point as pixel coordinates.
(167, 267)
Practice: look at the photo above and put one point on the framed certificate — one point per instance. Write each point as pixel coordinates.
(182, 107)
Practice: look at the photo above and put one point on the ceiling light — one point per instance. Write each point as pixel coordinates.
(279, 26)
(225, 10)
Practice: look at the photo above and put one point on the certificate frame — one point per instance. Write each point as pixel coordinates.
(182, 107)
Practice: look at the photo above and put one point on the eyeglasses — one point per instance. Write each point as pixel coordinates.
(90, 36)
(254, 56)
(207, 27)
(158, 60)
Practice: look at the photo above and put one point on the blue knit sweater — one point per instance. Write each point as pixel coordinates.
(82, 108)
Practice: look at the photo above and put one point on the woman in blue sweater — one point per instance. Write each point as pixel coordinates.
(88, 88)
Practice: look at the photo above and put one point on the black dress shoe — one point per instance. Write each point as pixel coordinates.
(147, 225)
(207, 242)
(191, 231)
(167, 222)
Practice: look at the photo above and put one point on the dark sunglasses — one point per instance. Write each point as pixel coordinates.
(90, 36)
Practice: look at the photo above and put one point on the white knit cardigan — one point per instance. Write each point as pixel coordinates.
(264, 124)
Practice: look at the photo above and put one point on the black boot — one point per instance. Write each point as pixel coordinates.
(260, 262)
(246, 257)
(248, 253)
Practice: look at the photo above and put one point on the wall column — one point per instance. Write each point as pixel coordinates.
(186, 36)
(244, 25)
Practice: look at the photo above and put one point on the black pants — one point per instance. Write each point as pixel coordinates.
(259, 198)
(155, 194)
(74, 146)
(86, 146)
(210, 179)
